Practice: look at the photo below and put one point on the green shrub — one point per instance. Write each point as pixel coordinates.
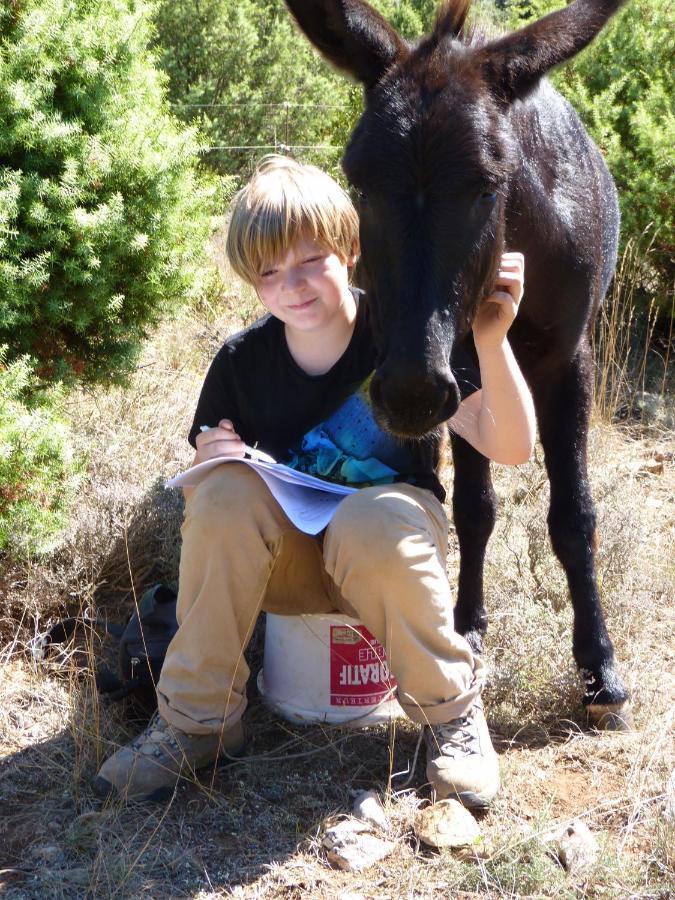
(621, 86)
(38, 474)
(252, 81)
(239, 68)
(103, 218)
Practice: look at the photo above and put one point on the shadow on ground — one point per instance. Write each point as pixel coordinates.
(223, 829)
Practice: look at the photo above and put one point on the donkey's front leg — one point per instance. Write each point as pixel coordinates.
(474, 507)
(563, 403)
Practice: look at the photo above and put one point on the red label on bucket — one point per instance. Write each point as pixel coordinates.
(359, 673)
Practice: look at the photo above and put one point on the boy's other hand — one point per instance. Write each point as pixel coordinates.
(222, 440)
(497, 312)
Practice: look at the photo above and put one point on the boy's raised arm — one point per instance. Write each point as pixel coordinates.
(499, 420)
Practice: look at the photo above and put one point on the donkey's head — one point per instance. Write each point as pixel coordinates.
(430, 160)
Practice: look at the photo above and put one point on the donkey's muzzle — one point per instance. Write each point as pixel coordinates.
(409, 401)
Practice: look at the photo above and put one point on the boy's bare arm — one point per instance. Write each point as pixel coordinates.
(499, 420)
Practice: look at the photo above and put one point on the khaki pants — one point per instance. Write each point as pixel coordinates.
(381, 560)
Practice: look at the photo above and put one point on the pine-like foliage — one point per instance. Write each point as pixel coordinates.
(38, 473)
(102, 217)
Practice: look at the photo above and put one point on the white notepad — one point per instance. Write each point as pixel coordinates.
(309, 502)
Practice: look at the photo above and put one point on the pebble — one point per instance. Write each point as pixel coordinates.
(576, 846)
(50, 853)
(344, 832)
(446, 824)
(351, 846)
(76, 876)
(368, 807)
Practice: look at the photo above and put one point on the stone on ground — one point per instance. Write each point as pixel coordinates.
(351, 846)
(576, 846)
(368, 807)
(446, 824)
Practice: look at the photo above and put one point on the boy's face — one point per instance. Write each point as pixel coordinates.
(308, 288)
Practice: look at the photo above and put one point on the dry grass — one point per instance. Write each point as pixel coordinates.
(252, 830)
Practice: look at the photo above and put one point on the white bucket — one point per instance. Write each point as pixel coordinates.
(326, 668)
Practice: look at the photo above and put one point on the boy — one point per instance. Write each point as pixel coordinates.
(295, 382)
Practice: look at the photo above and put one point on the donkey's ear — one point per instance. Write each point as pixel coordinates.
(351, 35)
(515, 63)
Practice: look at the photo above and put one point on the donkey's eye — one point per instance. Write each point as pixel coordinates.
(488, 197)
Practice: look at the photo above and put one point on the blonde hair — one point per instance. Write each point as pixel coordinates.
(283, 203)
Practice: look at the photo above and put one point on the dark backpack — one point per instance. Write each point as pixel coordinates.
(143, 642)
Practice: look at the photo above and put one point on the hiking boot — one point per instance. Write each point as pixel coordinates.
(149, 767)
(461, 761)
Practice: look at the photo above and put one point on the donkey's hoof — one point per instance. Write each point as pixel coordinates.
(474, 639)
(611, 716)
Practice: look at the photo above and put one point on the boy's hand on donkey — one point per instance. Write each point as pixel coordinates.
(497, 312)
(222, 440)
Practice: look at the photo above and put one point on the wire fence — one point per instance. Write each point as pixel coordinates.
(281, 126)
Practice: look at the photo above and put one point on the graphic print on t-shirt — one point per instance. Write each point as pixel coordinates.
(350, 447)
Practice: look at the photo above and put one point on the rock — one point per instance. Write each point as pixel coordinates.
(9, 876)
(577, 848)
(368, 808)
(344, 832)
(351, 846)
(76, 876)
(50, 853)
(447, 824)
(669, 798)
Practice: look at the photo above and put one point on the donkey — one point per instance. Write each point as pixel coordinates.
(464, 148)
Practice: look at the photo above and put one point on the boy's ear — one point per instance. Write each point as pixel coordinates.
(351, 35)
(515, 63)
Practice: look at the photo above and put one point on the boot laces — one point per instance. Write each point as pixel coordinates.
(458, 737)
(158, 733)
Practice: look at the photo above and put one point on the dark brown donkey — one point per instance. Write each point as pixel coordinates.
(465, 149)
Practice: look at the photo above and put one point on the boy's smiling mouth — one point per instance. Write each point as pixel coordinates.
(304, 305)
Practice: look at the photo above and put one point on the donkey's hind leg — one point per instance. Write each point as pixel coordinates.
(474, 506)
(563, 403)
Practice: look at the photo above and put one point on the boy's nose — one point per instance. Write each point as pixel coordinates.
(292, 280)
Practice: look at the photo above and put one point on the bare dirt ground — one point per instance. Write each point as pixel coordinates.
(252, 829)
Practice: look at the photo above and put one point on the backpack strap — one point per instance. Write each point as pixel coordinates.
(64, 629)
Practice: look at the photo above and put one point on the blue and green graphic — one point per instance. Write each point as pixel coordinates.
(349, 447)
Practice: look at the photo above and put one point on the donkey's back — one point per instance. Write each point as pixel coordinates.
(562, 212)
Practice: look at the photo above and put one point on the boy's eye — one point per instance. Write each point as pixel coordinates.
(311, 259)
(267, 273)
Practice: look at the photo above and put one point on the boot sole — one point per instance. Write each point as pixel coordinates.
(469, 799)
(475, 801)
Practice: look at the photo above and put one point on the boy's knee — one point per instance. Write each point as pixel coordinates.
(231, 489)
(375, 517)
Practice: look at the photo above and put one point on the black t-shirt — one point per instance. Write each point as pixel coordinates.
(321, 424)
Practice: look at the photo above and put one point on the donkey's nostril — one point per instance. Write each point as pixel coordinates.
(410, 401)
